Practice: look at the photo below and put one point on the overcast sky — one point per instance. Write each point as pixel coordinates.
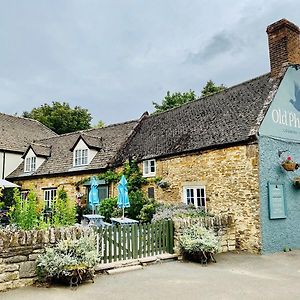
(116, 57)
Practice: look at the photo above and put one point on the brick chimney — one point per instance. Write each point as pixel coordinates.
(284, 45)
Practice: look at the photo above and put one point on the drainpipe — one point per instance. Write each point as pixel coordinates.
(3, 164)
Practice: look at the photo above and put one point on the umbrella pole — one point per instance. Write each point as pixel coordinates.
(123, 211)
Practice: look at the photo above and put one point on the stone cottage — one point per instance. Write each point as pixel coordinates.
(66, 160)
(16, 134)
(223, 152)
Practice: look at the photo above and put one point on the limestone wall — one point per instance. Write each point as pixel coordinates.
(223, 227)
(19, 250)
(230, 177)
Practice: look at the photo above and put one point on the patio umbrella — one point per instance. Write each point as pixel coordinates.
(7, 184)
(123, 200)
(93, 195)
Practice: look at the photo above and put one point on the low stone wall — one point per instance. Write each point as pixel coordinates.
(19, 250)
(223, 226)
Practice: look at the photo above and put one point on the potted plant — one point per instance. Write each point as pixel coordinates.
(289, 164)
(296, 182)
(198, 244)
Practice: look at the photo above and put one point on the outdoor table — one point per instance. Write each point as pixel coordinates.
(93, 219)
(123, 221)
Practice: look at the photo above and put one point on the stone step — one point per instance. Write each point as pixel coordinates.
(124, 269)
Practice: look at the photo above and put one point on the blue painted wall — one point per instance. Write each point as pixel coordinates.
(279, 233)
(280, 130)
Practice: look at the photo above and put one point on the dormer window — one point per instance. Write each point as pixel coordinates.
(81, 157)
(30, 164)
(149, 168)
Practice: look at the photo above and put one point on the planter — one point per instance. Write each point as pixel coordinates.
(199, 257)
(296, 182)
(290, 166)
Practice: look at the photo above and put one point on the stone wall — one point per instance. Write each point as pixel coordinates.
(223, 227)
(19, 250)
(68, 183)
(230, 177)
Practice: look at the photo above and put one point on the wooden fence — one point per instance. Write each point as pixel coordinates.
(135, 241)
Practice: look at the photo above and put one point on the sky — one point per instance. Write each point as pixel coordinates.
(116, 57)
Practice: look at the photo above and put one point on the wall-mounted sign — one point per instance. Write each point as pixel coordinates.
(277, 204)
(283, 117)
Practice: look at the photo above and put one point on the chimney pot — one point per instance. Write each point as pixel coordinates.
(284, 45)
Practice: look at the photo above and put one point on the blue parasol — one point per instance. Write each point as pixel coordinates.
(93, 195)
(123, 200)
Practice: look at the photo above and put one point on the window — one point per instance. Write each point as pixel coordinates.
(30, 164)
(195, 196)
(149, 168)
(24, 194)
(81, 157)
(151, 192)
(49, 195)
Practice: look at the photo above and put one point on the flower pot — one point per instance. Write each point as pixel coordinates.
(296, 182)
(290, 165)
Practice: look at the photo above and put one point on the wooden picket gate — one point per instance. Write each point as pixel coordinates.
(124, 242)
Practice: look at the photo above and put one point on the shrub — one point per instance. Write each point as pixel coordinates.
(26, 214)
(197, 239)
(108, 208)
(170, 211)
(63, 210)
(67, 256)
(147, 211)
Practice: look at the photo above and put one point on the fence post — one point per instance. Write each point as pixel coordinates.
(171, 236)
(134, 241)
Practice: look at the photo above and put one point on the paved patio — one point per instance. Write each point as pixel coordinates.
(235, 276)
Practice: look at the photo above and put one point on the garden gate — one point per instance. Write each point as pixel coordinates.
(121, 242)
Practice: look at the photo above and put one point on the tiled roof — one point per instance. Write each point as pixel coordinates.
(39, 150)
(111, 138)
(17, 132)
(221, 119)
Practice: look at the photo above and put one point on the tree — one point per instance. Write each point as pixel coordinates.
(100, 124)
(174, 100)
(60, 117)
(210, 88)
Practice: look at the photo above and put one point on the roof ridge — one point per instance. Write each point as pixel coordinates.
(208, 96)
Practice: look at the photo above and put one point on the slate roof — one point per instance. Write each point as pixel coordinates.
(111, 138)
(39, 150)
(17, 132)
(228, 117)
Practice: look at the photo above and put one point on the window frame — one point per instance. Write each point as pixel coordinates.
(82, 159)
(30, 164)
(148, 169)
(197, 198)
(52, 192)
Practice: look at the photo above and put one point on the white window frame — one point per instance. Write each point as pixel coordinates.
(149, 168)
(81, 157)
(30, 164)
(49, 196)
(195, 195)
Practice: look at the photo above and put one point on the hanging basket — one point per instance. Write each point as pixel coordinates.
(290, 165)
(296, 182)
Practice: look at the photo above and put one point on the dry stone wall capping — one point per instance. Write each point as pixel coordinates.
(222, 225)
(19, 250)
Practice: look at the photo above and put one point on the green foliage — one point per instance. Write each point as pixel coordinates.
(210, 88)
(25, 213)
(174, 100)
(110, 176)
(109, 208)
(100, 124)
(134, 176)
(60, 117)
(171, 211)
(63, 210)
(147, 211)
(198, 239)
(67, 256)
